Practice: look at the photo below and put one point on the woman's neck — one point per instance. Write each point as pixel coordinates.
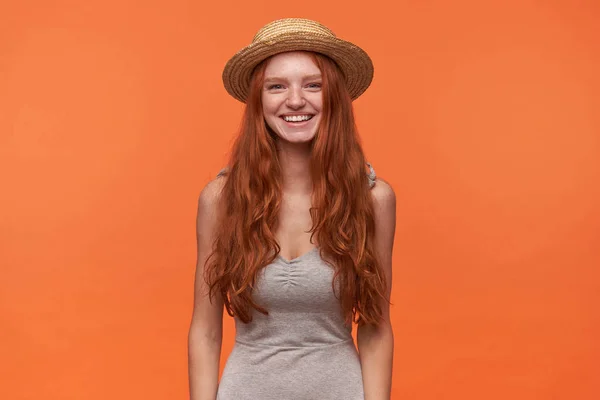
(294, 159)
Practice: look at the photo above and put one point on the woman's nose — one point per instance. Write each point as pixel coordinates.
(295, 98)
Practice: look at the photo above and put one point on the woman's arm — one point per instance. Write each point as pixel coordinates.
(376, 345)
(206, 328)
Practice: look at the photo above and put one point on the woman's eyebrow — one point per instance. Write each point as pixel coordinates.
(277, 78)
(313, 76)
(274, 78)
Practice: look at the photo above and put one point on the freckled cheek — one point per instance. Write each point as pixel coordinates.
(270, 107)
(316, 100)
(270, 113)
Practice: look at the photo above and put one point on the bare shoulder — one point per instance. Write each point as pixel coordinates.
(207, 217)
(210, 194)
(384, 209)
(384, 197)
(208, 202)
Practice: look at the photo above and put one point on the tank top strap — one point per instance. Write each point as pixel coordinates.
(223, 171)
(371, 176)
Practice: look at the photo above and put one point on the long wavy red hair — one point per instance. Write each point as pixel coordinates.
(342, 207)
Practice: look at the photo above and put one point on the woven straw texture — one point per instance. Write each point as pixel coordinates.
(297, 34)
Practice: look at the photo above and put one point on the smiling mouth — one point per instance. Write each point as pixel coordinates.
(297, 118)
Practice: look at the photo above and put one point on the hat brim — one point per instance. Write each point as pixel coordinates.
(355, 64)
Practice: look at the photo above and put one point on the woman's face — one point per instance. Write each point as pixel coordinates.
(291, 96)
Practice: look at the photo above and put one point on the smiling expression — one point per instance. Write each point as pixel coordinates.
(291, 96)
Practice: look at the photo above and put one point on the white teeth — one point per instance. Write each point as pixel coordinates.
(296, 118)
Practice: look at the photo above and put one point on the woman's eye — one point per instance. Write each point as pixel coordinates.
(275, 87)
(314, 85)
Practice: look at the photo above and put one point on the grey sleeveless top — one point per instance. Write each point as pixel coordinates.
(302, 350)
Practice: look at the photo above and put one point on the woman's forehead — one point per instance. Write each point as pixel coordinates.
(291, 63)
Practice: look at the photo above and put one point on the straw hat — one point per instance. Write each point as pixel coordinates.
(295, 34)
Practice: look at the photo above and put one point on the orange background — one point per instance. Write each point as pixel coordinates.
(483, 116)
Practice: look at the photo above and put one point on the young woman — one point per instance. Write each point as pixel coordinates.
(295, 236)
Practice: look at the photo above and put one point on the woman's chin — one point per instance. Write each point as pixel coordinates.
(298, 137)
